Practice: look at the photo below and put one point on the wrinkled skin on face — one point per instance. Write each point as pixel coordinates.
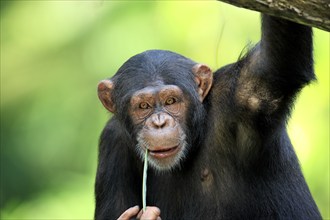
(161, 112)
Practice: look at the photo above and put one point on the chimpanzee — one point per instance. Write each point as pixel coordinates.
(217, 142)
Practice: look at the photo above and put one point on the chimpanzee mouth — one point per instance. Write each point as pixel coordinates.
(164, 152)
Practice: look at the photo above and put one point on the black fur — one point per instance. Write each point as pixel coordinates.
(242, 165)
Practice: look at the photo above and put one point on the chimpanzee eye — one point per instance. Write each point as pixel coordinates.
(144, 105)
(170, 101)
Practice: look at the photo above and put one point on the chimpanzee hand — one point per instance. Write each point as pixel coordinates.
(151, 213)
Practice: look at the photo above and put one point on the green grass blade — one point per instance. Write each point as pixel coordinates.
(144, 184)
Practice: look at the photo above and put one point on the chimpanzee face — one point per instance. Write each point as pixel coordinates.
(160, 113)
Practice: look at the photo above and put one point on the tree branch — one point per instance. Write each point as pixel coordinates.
(314, 13)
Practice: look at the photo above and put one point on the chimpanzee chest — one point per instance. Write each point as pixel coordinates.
(199, 194)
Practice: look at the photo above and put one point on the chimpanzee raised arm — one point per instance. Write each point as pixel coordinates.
(277, 68)
(269, 78)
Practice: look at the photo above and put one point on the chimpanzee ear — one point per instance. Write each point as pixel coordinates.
(105, 89)
(204, 79)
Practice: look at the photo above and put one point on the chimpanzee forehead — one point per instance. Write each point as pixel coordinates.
(151, 69)
(157, 90)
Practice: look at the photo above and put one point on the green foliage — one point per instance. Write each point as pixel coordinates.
(53, 53)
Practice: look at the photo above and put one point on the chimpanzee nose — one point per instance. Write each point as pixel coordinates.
(160, 120)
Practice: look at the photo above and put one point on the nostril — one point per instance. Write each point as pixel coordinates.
(159, 123)
(162, 125)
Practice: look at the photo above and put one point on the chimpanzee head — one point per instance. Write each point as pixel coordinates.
(158, 97)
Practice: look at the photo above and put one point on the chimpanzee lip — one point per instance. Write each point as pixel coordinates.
(164, 152)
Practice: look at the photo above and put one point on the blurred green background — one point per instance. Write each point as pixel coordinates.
(53, 53)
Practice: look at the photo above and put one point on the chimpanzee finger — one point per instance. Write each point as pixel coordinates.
(140, 214)
(129, 213)
(151, 213)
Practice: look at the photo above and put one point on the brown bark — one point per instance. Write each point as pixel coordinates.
(314, 13)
